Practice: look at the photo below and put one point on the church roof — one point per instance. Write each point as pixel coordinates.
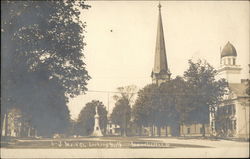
(228, 50)
(160, 63)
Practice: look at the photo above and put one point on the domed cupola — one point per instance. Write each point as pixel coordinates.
(228, 50)
(228, 67)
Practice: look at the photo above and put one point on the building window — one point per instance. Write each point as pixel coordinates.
(229, 61)
(234, 124)
(233, 61)
(230, 125)
(229, 109)
(188, 130)
(233, 110)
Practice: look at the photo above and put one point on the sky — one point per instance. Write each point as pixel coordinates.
(121, 37)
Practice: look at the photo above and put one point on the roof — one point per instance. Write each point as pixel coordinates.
(160, 63)
(239, 89)
(228, 50)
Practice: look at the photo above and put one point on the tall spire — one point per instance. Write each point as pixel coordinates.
(160, 71)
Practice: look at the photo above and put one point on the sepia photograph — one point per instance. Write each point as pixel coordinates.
(125, 79)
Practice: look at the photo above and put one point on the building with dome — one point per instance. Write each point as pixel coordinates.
(232, 116)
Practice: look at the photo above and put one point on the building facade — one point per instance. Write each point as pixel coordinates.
(232, 116)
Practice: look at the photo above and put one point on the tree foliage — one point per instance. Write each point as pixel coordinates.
(42, 60)
(181, 100)
(121, 114)
(86, 119)
(205, 91)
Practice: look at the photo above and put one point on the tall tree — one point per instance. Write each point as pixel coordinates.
(124, 99)
(175, 101)
(205, 91)
(86, 119)
(42, 59)
(121, 114)
(146, 107)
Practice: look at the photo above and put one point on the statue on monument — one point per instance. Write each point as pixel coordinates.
(97, 130)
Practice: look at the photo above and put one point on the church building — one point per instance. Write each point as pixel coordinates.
(231, 119)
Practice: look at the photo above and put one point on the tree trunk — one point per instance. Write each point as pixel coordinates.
(152, 130)
(124, 125)
(140, 130)
(6, 123)
(159, 131)
(182, 125)
(203, 130)
(166, 130)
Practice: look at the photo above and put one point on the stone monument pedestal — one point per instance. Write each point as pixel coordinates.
(97, 130)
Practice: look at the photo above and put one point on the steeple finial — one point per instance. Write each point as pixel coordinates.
(159, 5)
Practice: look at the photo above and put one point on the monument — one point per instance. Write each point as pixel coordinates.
(97, 130)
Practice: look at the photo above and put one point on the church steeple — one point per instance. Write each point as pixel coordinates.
(160, 71)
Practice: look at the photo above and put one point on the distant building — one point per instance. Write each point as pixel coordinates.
(16, 125)
(113, 129)
(232, 116)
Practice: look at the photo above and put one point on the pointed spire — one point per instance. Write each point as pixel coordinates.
(160, 71)
(160, 52)
(160, 63)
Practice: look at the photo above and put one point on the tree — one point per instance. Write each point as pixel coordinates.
(124, 99)
(205, 91)
(146, 107)
(42, 60)
(162, 106)
(86, 119)
(121, 114)
(175, 101)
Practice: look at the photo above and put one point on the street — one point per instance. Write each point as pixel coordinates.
(208, 149)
